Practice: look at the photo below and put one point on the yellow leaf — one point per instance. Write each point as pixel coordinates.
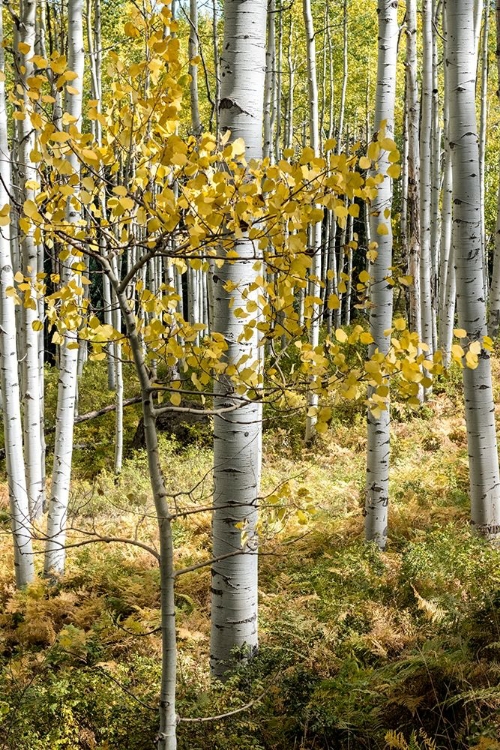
(60, 137)
(333, 302)
(382, 229)
(341, 335)
(175, 399)
(365, 163)
(475, 347)
(471, 360)
(394, 171)
(388, 144)
(37, 325)
(131, 30)
(460, 333)
(23, 48)
(366, 338)
(238, 147)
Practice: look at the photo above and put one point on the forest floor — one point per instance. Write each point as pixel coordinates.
(358, 648)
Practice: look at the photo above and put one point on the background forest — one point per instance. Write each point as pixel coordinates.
(249, 319)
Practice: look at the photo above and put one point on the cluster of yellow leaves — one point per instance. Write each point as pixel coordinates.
(146, 192)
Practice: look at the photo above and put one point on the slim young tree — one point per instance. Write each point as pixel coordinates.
(315, 230)
(67, 385)
(413, 208)
(32, 384)
(426, 311)
(377, 484)
(237, 434)
(9, 380)
(494, 313)
(479, 404)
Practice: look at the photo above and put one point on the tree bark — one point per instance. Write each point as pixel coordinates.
(426, 179)
(237, 436)
(479, 404)
(11, 401)
(55, 553)
(315, 230)
(377, 485)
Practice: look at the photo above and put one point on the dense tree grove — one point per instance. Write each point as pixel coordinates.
(268, 230)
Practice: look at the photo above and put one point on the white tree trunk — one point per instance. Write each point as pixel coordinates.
(377, 484)
(345, 74)
(482, 139)
(11, 406)
(494, 315)
(193, 68)
(435, 180)
(413, 167)
(32, 385)
(426, 178)
(479, 404)
(55, 553)
(237, 436)
(269, 102)
(447, 290)
(315, 230)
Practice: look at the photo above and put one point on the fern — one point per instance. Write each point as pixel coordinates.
(397, 741)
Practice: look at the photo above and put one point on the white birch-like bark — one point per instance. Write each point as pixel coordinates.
(291, 90)
(9, 379)
(413, 209)
(426, 178)
(447, 290)
(215, 46)
(55, 553)
(479, 404)
(345, 75)
(237, 435)
(314, 289)
(32, 385)
(279, 86)
(269, 81)
(193, 68)
(435, 180)
(494, 312)
(378, 449)
(482, 138)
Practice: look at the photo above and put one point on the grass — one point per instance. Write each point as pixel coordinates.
(359, 649)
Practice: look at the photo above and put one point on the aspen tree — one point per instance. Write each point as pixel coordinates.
(269, 88)
(315, 229)
(237, 435)
(215, 49)
(447, 290)
(9, 379)
(494, 309)
(413, 209)
(435, 179)
(479, 404)
(345, 76)
(193, 67)
(426, 306)
(66, 394)
(482, 137)
(30, 250)
(279, 86)
(377, 486)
